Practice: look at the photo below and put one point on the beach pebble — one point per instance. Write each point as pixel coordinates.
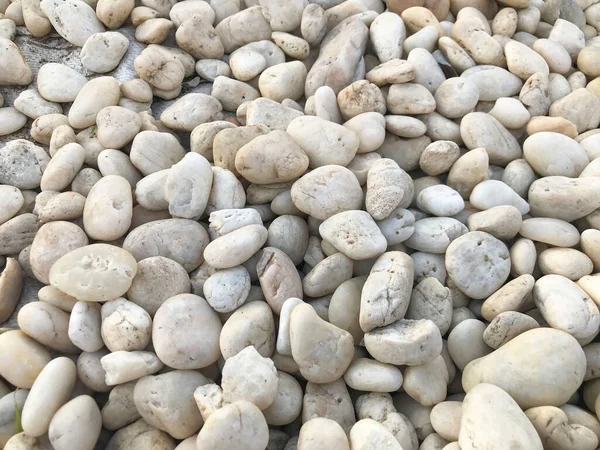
(50, 391)
(522, 381)
(178, 318)
(307, 332)
(252, 434)
(76, 423)
(485, 400)
(102, 52)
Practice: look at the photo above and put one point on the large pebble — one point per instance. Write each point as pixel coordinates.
(386, 292)
(76, 424)
(108, 209)
(97, 272)
(311, 343)
(22, 164)
(175, 321)
(528, 375)
(492, 419)
(271, 158)
(166, 401)
(324, 142)
(542, 152)
(102, 52)
(326, 191)
(95, 95)
(59, 83)
(17, 70)
(47, 324)
(181, 240)
(74, 20)
(565, 306)
(355, 234)
(405, 342)
(50, 391)
(478, 263)
(252, 432)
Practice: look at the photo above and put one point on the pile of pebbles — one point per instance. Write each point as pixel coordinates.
(380, 231)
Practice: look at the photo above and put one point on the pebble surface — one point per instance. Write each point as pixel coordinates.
(299, 225)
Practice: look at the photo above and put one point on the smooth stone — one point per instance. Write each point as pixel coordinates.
(565, 306)
(242, 28)
(321, 432)
(84, 326)
(33, 105)
(196, 36)
(75, 21)
(503, 222)
(190, 111)
(102, 52)
(326, 191)
(278, 278)
(555, 232)
(271, 158)
(8, 404)
(540, 151)
(236, 247)
(249, 376)
(49, 392)
(47, 324)
(506, 326)
(388, 187)
(140, 434)
(493, 82)
(341, 52)
(121, 367)
(480, 130)
(152, 151)
(182, 316)
(566, 262)
(468, 171)
(431, 300)
(108, 209)
(19, 73)
(88, 266)
(94, 96)
(324, 142)
(487, 267)
(368, 434)
(434, 234)
(120, 410)
(12, 120)
(252, 434)
(166, 401)
(386, 293)
(517, 365)
(227, 289)
(250, 325)
(367, 375)
(492, 193)
(76, 424)
(405, 342)
(553, 196)
(22, 164)
(490, 416)
(11, 286)
(159, 68)
(355, 234)
(440, 200)
(561, 434)
(331, 366)
(427, 383)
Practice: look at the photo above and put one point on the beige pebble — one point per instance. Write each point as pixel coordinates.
(186, 315)
(523, 381)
